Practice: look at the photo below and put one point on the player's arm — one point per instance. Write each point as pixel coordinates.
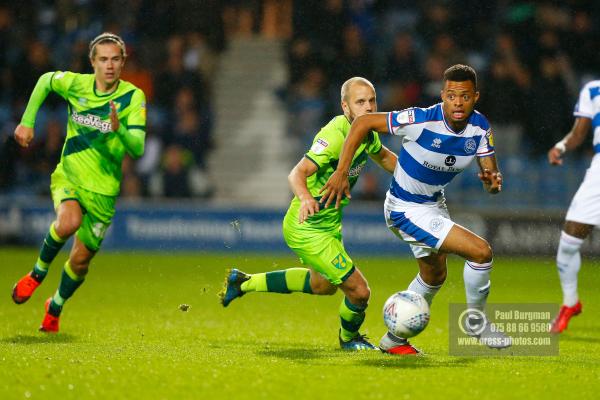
(386, 159)
(297, 179)
(571, 141)
(489, 174)
(133, 135)
(24, 131)
(338, 185)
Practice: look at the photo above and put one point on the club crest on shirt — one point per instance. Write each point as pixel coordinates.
(319, 145)
(470, 146)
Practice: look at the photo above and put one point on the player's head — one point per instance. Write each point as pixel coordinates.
(459, 94)
(358, 97)
(107, 55)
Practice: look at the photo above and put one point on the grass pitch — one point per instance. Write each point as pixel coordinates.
(124, 336)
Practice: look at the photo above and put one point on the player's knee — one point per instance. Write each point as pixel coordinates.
(323, 288)
(483, 253)
(361, 294)
(434, 277)
(67, 224)
(79, 268)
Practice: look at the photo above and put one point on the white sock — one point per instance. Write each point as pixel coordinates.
(424, 289)
(568, 261)
(477, 283)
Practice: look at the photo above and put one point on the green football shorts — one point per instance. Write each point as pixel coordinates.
(98, 209)
(323, 251)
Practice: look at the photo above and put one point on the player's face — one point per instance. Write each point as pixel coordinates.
(108, 63)
(459, 100)
(361, 100)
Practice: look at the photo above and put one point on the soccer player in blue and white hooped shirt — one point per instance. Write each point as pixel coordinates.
(584, 211)
(439, 143)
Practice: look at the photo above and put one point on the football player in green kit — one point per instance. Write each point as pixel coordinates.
(315, 234)
(107, 118)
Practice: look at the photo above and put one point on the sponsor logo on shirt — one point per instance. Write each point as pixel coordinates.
(450, 161)
(490, 138)
(437, 142)
(319, 146)
(93, 121)
(355, 171)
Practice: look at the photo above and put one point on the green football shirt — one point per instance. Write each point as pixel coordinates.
(92, 153)
(325, 153)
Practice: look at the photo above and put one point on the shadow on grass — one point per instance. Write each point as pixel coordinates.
(40, 339)
(415, 362)
(580, 339)
(297, 354)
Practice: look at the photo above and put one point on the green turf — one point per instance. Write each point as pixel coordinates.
(124, 336)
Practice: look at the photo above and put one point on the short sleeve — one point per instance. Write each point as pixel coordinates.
(326, 146)
(398, 120)
(585, 107)
(61, 82)
(486, 145)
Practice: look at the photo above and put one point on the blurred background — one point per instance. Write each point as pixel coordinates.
(237, 90)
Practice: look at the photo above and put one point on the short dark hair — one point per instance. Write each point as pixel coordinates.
(461, 73)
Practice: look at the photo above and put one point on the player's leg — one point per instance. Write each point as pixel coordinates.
(353, 311)
(478, 265)
(73, 275)
(431, 276)
(582, 216)
(308, 247)
(476, 273)
(68, 220)
(99, 210)
(304, 280)
(568, 262)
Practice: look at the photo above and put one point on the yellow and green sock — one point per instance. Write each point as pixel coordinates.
(351, 317)
(284, 281)
(50, 248)
(69, 282)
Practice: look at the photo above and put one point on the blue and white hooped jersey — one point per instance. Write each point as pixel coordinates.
(432, 153)
(588, 106)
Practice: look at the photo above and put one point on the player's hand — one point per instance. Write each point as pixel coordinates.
(114, 117)
(23, 135)
(555, 156)
(335, 188)
(308, 208)
(491, 180)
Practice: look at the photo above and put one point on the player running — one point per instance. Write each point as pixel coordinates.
(584, 211)
(107, 118)
(315, 233)
(439, 143)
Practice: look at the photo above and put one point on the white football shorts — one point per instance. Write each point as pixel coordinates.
(423, 226)
(585, 206)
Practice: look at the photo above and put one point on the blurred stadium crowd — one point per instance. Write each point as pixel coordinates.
(532, 58)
